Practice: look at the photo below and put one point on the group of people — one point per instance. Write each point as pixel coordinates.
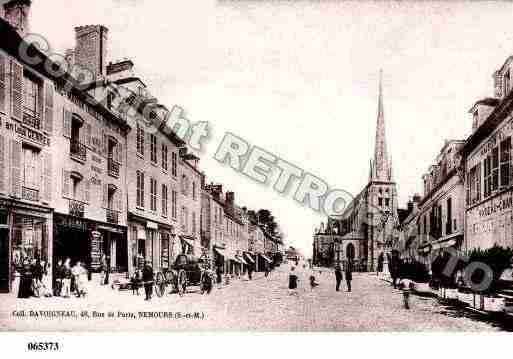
(70, 280)
(339, 275)
(34, 279)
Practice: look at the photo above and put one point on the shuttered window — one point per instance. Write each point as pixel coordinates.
(140, 189)
(31, 168)
(164, 200)
(16, 91)
(48, 112)
(174, 208)
(16, 153)
(3, 167)
(3, 82)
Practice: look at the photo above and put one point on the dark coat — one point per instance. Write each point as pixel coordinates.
(338, 274)
(292, 281)
(349, 272)
(147, 273)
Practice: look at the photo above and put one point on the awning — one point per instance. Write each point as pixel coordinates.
(187, 240)
(249, 257)
(445, 244)
(266, 258)
(241, 260)
(221, 252)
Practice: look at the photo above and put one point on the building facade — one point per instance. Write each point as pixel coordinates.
(487, 158)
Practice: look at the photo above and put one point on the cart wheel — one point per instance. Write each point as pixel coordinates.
(182, 282)
(160, 284)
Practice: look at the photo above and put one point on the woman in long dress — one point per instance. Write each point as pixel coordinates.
(25, 289)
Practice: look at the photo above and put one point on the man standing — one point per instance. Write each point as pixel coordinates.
(349, 274)
(147, 276)
(338, 276)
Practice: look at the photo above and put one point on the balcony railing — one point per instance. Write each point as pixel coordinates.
(76, 208)
(113, 168)
(31, 118)
(78, 150)
(112, 216)
(30, 194)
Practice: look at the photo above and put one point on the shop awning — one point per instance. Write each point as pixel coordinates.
(446, 244)
(266, 258)
(448, 241)
(188, 240)
(241, 260)
(249, 257)
(221, 252)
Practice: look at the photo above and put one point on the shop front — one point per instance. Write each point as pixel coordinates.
(24, 237)
(87, 241)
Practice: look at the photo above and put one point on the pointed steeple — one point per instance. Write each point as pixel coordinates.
(382, 166)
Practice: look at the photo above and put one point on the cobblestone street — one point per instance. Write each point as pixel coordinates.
(262, 304)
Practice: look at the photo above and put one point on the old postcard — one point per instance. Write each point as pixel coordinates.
(296, 166)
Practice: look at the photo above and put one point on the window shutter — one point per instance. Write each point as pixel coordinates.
(66, 123)
(120, 152)
(105, 143)
(105, 195)
(66, 183)
(48, 111)
(15, 168)
(3, 167)
(16, 90)
(87, 191)
(47, 177)
(89, 135)
(3, 77)
(119, 193)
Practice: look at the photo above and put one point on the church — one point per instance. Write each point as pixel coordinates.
(364, 231)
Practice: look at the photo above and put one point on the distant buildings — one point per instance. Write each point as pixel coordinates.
(94, 170)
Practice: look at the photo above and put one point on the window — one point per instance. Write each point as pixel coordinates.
(110, 197)
(487, 176)
(164, 156)
(506, 83)
(153, 148)
(380, 201)
(387, 202)
(164, 200)
(31, 168)
(505, 162)
(184, 220)
(194, 190)
(448, 228)
(153, 194)
(475, 183)
(75, 182)
(140, 189)
(32, 101)
(174, 160)
(173, 204)
(185, 185)
(495, 169)
(193, 222)
(140, 140)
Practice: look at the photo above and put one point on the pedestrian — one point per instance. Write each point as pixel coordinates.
(250, 272)
(313, 283)
(37, 277)
(136, 281)
(103, 269)
(45, 280)
(219, 276)
(76, 272)
(349, 274)
(107, 270)
(338, 276)
(147, 277)
(266, 269)
(25, 288)
(66, 278)
(293, 279)
(58, 278)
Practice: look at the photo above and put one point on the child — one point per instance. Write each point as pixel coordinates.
(313, 283)
(136, 281)
(293, 282)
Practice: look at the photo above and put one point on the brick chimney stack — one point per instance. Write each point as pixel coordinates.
(92, 49)
(17, 13)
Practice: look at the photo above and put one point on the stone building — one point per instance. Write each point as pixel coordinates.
(366, 225)
(487, 166)
(408, 231)
(441, 210)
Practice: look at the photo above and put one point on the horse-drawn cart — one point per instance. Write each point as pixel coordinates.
(186, 271)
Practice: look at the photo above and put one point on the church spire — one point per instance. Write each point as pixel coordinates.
(382, 167)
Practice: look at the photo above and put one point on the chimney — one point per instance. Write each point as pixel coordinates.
(230, 203)
(91, 48)
(17, 13)
(120, 69)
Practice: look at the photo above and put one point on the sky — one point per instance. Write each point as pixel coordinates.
(300, 79)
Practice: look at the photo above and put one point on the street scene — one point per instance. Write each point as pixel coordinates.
(262, 304)
(255, 166)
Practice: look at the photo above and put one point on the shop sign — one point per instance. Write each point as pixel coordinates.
(497, 205)
(28, 133)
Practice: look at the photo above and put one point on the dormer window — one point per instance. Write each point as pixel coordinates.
(506, 83)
